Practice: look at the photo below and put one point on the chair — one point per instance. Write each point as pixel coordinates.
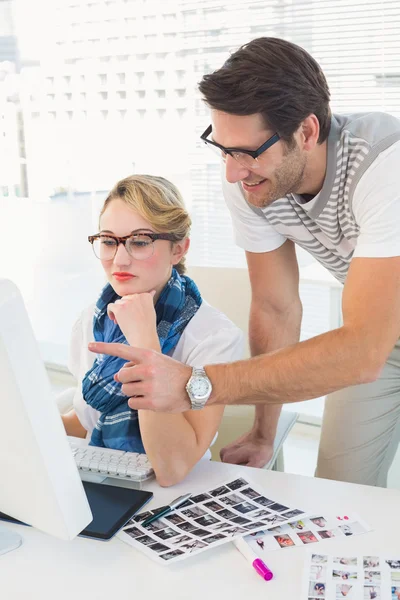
(220, 288)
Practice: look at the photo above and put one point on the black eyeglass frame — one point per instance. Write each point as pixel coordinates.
(253, 153)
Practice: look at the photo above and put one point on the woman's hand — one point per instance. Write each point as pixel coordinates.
(136, 318)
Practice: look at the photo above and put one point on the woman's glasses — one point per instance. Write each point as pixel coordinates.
(139, 245)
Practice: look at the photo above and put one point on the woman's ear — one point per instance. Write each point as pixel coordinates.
(179, 250)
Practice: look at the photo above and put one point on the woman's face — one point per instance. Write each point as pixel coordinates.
(126, 274)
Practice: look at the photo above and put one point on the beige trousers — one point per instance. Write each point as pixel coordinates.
(361, 429)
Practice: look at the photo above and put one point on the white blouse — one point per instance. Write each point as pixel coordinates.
(209, 338)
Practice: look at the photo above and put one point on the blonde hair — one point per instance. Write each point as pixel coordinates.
(159, 202)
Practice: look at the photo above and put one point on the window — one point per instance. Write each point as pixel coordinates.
(356, 43)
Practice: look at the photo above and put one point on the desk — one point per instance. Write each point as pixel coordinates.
(45, 568)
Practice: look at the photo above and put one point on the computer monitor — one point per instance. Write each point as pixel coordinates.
(39, 481)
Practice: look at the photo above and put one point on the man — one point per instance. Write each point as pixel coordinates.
(296, 174)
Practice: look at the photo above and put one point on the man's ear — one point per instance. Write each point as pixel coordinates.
(179, 250)
(310, 132)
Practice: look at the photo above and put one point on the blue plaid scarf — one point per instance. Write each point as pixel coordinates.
(118, 425)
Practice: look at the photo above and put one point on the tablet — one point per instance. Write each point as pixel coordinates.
(111, 506)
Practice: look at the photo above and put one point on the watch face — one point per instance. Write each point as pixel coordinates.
(200, 387)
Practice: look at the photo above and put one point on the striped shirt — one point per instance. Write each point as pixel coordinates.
(357, 211)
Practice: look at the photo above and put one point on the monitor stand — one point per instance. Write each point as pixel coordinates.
(9, 540)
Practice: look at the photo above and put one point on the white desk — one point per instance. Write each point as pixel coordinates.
(44, 568)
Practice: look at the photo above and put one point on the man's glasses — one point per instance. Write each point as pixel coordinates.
(247, 158)
(139, 245)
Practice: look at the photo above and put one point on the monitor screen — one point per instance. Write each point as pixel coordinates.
(40, 484)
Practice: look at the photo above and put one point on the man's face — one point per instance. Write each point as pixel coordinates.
(279, 170)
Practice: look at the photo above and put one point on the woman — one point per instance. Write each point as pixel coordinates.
(150, 303)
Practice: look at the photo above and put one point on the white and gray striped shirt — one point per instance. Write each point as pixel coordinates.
(357, 212)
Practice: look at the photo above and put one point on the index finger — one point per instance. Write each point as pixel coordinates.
(135, 355)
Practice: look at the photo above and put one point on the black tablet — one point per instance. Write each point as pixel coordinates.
(111, 507)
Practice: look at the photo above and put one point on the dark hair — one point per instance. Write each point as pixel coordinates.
(274, 78)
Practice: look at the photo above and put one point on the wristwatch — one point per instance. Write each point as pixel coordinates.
(199, 388)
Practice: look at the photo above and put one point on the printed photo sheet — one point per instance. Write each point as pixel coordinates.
(209, 519)
(354, 577)
(306, 531)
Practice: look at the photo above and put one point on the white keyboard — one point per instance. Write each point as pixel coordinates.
(129, 466)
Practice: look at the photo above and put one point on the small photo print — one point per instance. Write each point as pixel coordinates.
(218, 526)
(219, 491)
(238, 483)
(175, 519)
(232, 499)
(142, 516)
(277, 507)
(297, 525)
(226, 514)
(326, 533)
(261, 514)
(284, 540)
(193, 545)
(263, 501)
(193, 512)
(133, 531)
(318, 572)
(172, 554)
(200, 532)
(207, 520)
(393, 564)
(272, 519)
(213, 505)
(166, 534)
(370, 562)
(232, 531)
(181, 539)
(346, 560)
(186, 526)
(200, 498)
(372, 592)
(321, 559)
(250, 493)
(277, 529)
(319, 521)
(146, 540)
(159, 547)
(344, 575)
(257, 525)
(214, 538)
(156, 525)
(372, 577)
(344, 590)
(395, 592)
(395, 578)
(293, 513)
(352, 528)
(241, 520)
(307, 537)
(244, 507)
(316, 589)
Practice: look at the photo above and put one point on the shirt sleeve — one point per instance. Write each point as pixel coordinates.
(252, 232)
(222, 346)
(376, 207)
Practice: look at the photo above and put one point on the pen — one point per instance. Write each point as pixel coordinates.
(256, 562)
(164, 510)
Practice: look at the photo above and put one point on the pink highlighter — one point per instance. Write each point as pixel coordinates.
(256, 562)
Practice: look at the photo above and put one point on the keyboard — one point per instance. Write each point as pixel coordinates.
(128, 466)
